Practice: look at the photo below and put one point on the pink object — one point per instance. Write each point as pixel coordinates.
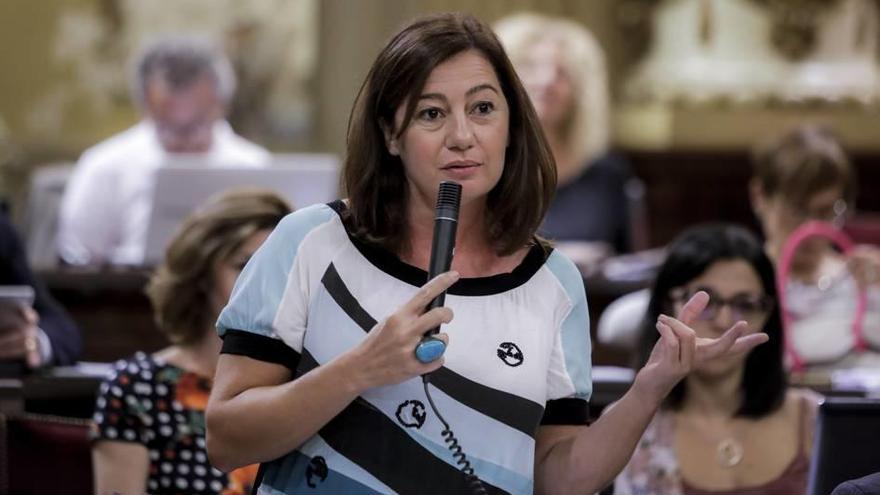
(844, 243)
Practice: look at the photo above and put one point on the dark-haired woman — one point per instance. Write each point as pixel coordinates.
(318, 378)
(732, 426)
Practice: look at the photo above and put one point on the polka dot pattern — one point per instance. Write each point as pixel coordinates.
(151, 403)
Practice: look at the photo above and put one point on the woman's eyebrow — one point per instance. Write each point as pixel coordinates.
(470, 92)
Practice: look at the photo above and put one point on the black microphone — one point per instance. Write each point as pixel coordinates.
(431, 348)
(442, 249)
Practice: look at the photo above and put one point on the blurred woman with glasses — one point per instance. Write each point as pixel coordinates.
(806, 175)
(732, 426)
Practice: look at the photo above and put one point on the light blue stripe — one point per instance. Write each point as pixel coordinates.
(288, 475)
(260, 287)
(576, 327)
(316, 446)
(492, 473)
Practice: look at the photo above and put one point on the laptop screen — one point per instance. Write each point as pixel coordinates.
(303, 179)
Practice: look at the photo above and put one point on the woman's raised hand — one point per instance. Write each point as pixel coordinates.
(679, 349)
(387, 355)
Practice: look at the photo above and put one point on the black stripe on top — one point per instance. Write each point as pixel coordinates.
(512, 410)
(259, 347)
(475, 286)
(413, 468)
(566, 412)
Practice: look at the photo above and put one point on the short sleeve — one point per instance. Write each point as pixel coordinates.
(268, 308)
(121, 410)
(569, 382)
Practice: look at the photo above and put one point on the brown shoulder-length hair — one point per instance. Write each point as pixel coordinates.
(180, 288)
(374, 180)
(806, 160)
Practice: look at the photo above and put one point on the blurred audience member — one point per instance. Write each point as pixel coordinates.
(563, 69)
(183, 86)
(36, 336)
(867, 485)
(150, 416)
(732, 426)
(806, 175)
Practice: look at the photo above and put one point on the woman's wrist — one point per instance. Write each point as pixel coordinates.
(647, 391)
(352, 370)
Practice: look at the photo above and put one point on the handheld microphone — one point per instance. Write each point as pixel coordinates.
(442, 249)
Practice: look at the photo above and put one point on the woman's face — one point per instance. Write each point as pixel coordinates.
(227, 270)
(736, 294)
(780, 217)
(458, 132)
(548, 83)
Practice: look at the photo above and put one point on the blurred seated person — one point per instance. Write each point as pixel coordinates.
(42, 335)
(803, 175)
(806, 175)
(150, 416)
(563, 70)
(731, 426)
(183, 87)
(865, 485)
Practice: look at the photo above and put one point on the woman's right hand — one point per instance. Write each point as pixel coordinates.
(387, 355)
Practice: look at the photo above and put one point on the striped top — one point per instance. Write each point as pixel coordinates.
(518, 357)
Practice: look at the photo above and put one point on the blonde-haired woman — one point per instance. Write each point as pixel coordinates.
(150, 417)
(563, 69)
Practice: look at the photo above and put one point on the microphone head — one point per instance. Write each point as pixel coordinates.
(448, 199)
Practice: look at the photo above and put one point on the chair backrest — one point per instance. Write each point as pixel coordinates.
(40, 225)
(44, 454)
(639, 231)
(864, 228)
(847, 443)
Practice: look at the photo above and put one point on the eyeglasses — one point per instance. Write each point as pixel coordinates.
(748, 307)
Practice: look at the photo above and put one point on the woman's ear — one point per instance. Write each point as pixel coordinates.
(390, 139)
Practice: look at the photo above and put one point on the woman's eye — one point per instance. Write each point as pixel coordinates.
(484, 107)
(430, 114)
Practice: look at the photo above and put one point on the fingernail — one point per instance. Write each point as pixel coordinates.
(663, 318)
(454, 274)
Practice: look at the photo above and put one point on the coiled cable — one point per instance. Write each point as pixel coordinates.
(473, 481)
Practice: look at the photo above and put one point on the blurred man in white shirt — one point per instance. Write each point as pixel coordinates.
(183, 86)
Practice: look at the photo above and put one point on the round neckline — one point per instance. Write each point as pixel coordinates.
(389, 263)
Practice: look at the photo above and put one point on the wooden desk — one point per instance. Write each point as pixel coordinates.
(71, 391)
(111, 309)
(116, 319)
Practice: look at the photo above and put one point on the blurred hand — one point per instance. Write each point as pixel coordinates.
(19, 337)
(679, 350)
(387, 355)
(864, 265)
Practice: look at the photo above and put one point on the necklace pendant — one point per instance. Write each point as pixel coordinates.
(729, 453)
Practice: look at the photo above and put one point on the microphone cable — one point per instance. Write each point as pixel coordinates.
(474, 483)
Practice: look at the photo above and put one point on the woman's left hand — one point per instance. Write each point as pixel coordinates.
(679, 350)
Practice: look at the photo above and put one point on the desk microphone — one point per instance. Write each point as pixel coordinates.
(442, 248)
(431, 348)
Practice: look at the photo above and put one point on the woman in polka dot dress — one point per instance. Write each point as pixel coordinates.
(149, 422)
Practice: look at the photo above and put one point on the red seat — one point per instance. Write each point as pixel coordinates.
(44, 454)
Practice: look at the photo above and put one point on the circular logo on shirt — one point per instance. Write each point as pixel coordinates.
(510, 354)
(411, 414)
(316, 471)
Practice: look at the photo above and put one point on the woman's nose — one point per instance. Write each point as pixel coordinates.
(725, 317)
(460, 134)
